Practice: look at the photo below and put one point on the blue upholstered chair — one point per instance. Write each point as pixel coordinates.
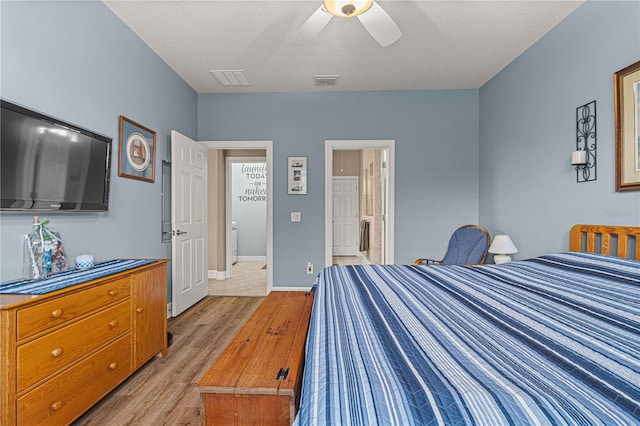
(468, 246)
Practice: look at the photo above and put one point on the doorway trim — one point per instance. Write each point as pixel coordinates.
(389, 207)
(268, 147)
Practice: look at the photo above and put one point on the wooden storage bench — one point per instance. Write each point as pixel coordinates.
(258, 377)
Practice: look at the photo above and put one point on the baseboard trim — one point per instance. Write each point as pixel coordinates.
(216, 275)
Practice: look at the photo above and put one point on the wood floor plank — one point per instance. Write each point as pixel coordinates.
(163, 391)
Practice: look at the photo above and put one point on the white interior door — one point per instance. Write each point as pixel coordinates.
(345, 216)
(188, 222)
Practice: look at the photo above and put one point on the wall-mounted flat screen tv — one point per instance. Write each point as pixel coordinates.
(49, 165)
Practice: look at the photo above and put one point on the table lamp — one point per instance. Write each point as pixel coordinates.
(502, 247)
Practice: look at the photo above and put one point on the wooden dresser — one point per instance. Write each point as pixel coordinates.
(63, 351)
(258, 377)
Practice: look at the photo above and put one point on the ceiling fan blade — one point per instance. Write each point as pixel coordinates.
(380, 25)
(312, 26)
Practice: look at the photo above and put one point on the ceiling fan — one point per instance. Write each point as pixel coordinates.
(373, 17)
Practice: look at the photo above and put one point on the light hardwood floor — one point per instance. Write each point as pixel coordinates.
(163, 391)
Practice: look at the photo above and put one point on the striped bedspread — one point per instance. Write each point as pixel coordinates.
(551, 340)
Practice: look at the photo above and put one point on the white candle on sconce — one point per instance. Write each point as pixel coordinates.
(578, 158)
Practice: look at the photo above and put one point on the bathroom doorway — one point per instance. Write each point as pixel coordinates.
(370, 165)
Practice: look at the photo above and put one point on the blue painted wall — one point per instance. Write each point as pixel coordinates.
(436, 134)
(498, 155)
(77, 61)
(527, 131)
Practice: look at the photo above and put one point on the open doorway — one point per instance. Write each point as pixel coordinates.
(359, 201)
(252, 272)
(246, 208)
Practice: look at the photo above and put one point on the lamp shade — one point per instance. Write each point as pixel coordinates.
(502, 244)
(347, 8)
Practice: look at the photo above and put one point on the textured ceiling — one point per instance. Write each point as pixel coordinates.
(444, 44)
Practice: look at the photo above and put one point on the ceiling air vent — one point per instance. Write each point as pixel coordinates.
(325, 80)
(230, 77)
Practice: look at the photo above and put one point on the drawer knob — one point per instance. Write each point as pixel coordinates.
(113, 293)
(56, 352)
(139, 310)
(56, 405)
(113, 366)
(113, 324)
(57, 313)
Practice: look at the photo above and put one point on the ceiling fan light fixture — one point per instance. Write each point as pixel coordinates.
(347, 8)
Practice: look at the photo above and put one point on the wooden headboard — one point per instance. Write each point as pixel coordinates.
(620, 241)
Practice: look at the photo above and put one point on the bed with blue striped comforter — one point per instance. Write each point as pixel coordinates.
(551, 340)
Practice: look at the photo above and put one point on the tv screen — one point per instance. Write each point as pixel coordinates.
(49, 165)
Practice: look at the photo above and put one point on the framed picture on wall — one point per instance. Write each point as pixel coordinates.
(626, 91)
(137, 151)
(297, 176)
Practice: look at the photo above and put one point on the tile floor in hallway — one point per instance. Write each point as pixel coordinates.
(248, 279)
(348, 260)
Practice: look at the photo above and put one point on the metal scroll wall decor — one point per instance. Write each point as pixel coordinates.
(586, 141)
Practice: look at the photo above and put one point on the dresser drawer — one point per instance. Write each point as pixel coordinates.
(45, 355)
(66, 396)
(45, 315)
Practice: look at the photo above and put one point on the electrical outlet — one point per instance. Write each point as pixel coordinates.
(309, 268)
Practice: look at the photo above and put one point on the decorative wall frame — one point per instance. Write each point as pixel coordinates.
(586, 140)
(297, 176)
(626, 91)
(137, 153)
